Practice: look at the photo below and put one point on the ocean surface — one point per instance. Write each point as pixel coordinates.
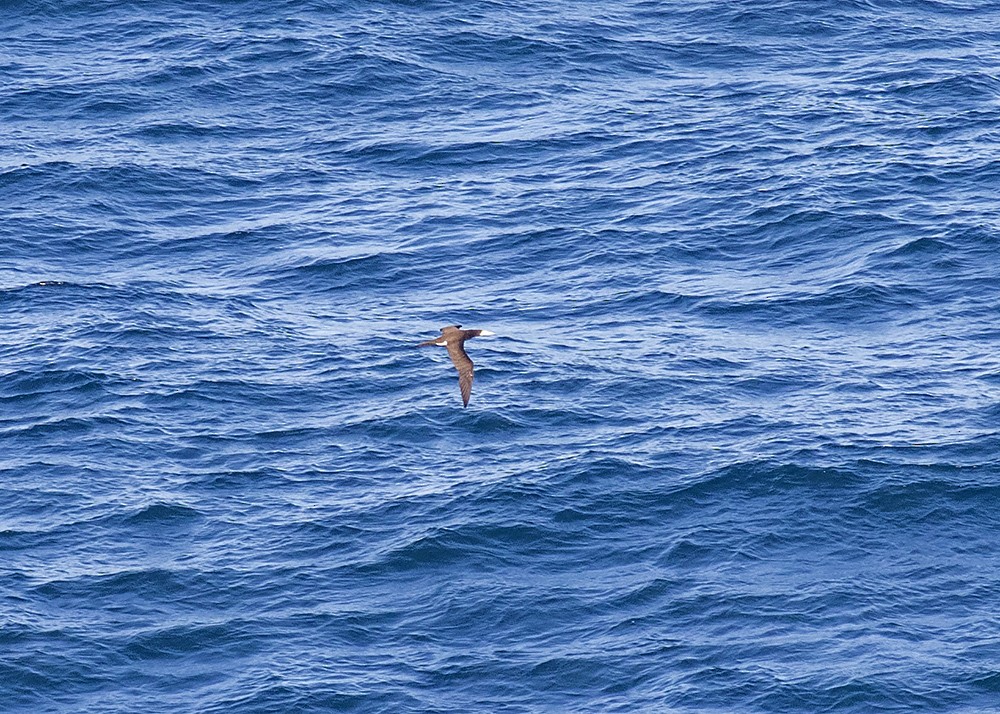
(735, 446)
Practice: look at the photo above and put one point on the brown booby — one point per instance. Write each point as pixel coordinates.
(453, 337)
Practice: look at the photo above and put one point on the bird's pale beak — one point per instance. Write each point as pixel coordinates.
(486, 333)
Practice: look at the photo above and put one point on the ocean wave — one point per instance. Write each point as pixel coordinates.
(733, 446)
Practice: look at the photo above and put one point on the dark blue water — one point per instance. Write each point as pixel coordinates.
(735, 446)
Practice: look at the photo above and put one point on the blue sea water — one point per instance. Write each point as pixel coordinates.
(735, 446)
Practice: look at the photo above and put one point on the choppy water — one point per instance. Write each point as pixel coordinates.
(733, 449)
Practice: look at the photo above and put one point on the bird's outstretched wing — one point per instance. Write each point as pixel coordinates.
(464, 366)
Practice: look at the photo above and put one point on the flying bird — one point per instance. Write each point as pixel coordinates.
(453, 337)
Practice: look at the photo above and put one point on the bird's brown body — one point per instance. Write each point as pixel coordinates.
(453, 337)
